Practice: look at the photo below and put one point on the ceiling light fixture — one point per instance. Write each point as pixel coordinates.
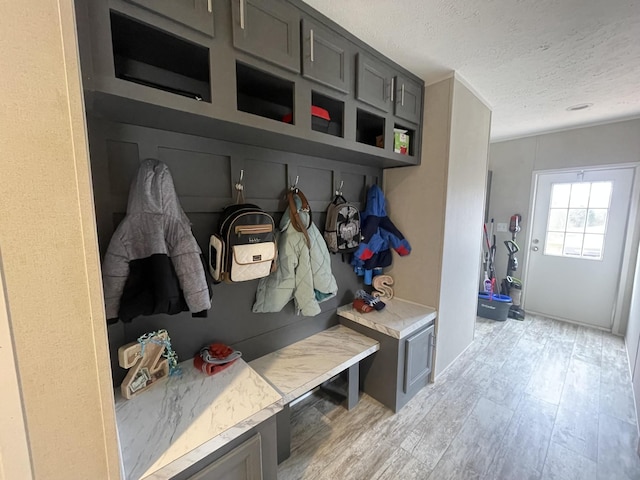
(580, 106)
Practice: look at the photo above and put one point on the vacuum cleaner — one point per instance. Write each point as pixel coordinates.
(512, 286)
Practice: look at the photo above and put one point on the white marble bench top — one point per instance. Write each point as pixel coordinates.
(183, 419)
(302, 366)
(398, 319)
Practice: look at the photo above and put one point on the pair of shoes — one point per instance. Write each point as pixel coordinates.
(362, 306)
(370, 300)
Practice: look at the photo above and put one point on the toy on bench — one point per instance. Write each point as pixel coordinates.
(148, 359)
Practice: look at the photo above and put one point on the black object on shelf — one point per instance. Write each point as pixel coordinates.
(154, 58)
(263, 94)
(370, 129)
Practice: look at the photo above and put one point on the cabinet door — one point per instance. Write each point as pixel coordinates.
(268, 29)
(373, 85)
(242, 463)
(407, 99)
(197, 14)
(417, 358)
(325, 57)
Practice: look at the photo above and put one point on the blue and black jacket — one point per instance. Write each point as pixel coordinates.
(379, 234)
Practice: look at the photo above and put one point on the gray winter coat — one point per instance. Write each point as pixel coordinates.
(153, 262)
(303, 273)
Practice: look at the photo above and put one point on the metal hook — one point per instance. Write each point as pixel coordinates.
(339, 190)
(295, 185)
(239, 185)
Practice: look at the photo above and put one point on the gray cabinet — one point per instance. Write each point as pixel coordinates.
(402, 366)
(242, 463)
(407, 99)
(373, 83)
(148, 63)
(196, 14)
(417, 358)
(268, 29)
(325, 57)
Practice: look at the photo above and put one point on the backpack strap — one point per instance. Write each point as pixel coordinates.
(296, 221)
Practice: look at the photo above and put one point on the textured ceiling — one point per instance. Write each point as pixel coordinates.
(529, 59)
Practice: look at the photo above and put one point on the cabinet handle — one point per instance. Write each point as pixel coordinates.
(209, 6)
(393, 87)
(402, 96)
(311, 32)
(242, 14)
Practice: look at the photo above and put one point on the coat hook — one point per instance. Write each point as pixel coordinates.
(339, 190)
(295, 185)
(239, 185)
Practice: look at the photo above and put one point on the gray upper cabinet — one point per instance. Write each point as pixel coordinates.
(268, 29)
(325, 57)
(407, 99)
(196, 14)
(373, 83)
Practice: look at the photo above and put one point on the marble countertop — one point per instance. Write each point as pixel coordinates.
(183, 419)
(398, 319)
(302, 366)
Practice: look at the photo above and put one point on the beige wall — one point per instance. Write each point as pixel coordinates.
(416, 202)
(513, 163)
(466, 186)
(49, 247)
(439, 205)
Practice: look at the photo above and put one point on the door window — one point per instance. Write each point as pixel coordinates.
(577, 220)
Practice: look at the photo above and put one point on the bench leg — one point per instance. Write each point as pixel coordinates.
(283, 426)
(354, 386)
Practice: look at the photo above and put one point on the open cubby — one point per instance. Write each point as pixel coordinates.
(412, 138)
(152, 57)
(369, 129)
(263, 94)
(335, 109)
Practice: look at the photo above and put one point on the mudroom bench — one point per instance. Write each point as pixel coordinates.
(195, 427)
(302, 366)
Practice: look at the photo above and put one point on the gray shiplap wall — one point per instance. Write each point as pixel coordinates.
(204, 171)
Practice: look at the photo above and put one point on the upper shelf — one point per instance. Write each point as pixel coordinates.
(256, 82)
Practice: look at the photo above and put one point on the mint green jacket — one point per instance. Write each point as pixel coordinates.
(303, 273)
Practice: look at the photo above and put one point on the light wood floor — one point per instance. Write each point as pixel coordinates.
(528, 400)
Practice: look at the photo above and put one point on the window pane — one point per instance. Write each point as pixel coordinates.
(560, 195)
(600, 195)
(576, 220)
(579, 195)
(553, 245)
(593, 246)
(573, 245)
(596, 220)
(557, 219)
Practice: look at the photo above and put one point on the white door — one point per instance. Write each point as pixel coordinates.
(578, 231)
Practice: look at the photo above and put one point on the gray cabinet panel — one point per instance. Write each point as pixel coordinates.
(268, 29)
(242, 463)
(407, 99)
(325, 57)
(197, 14)
(417, 358)
(373, 84)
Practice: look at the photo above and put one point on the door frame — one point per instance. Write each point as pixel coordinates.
(631, 239)
(15, 452)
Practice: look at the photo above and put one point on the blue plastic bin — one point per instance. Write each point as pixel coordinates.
(494, 308)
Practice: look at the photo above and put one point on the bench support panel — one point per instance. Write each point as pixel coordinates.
(353, 391)
(283, 426)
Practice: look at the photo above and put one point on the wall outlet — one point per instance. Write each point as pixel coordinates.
(502, 227)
